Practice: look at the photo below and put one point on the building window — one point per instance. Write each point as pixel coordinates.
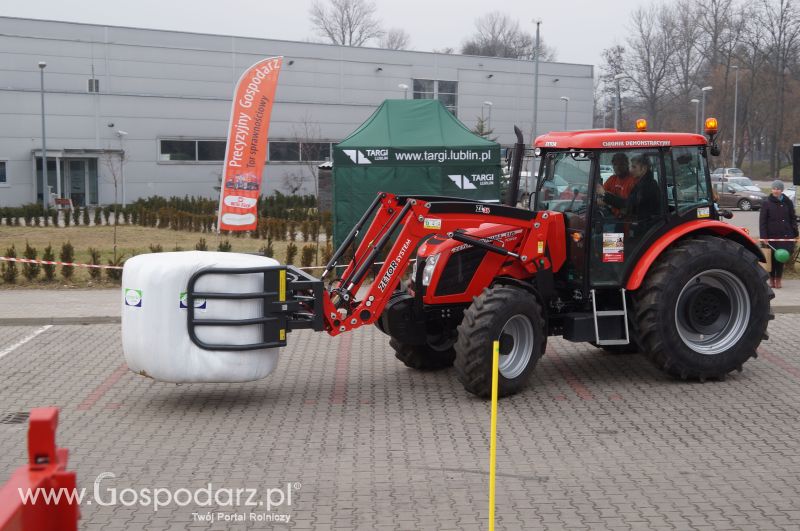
(280, 151)
(2, 172)
(445, 91)
(94, 85)
(192, 150)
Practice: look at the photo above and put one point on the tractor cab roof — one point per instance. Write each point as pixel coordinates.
(611, 138)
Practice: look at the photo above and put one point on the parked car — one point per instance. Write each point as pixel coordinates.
(727, 172)
(744, 182)
(734, 196)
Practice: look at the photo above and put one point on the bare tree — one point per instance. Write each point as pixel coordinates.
(346, 22)
(498, 35)
(781, 22)
(649, 61)
(307, 133)
(687, 61)
(395, 39)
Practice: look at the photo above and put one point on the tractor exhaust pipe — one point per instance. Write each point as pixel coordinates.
(516, 169)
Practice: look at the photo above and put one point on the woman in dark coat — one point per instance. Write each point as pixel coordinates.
(777, 221)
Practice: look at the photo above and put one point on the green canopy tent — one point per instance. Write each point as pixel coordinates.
(410, 147)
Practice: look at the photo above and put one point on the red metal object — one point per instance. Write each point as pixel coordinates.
(705, 225)
(611, 138)
(539, 244)
(45, 471)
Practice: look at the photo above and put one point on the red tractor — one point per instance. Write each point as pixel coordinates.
(621, 246)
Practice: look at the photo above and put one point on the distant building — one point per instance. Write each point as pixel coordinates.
(149, 109)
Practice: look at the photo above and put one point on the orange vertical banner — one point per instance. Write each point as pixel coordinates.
(246, 151)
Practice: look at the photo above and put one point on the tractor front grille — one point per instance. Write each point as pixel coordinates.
(460, 269)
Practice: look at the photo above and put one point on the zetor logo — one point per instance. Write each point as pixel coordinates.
(393, 266)
(480, 209)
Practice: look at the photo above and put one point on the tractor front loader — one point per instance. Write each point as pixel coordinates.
(661, 274)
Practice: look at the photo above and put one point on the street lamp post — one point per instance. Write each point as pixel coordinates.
(565, 99)
(618, 100)
(405, 90)
(489, 122)
(703, 103)
(536, 54)
(735, 108)
(45, 199)
(696, 114)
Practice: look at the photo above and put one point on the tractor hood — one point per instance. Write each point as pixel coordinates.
(508, 235)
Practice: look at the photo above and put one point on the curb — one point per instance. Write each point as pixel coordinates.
(32, 321)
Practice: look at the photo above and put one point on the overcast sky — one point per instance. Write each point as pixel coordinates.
(578, 29)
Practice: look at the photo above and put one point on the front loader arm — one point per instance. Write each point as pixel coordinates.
(412, 220)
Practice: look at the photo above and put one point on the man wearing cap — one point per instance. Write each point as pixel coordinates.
(777, 221)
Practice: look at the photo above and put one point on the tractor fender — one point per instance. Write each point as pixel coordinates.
(712, 227)
(530, 288)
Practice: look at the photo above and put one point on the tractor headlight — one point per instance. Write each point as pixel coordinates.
(414, 269)
(430, 265)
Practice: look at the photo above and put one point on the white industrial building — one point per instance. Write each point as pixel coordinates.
(149, 109)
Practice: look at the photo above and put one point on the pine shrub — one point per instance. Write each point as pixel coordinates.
(307, 255)
(31, 271)
(94, 259)
(156, 248)
(97, 217)
(76, 216)
(85, 216)
(67, 217)
(224, 246)
(291, 253)
(201, 245)
(49, 269)
(9, 269)
(67, 255)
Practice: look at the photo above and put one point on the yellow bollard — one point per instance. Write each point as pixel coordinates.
(493, 441)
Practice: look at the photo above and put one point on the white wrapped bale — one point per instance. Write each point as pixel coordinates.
(155, 336)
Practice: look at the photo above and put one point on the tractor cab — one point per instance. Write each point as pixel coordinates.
(619, 192)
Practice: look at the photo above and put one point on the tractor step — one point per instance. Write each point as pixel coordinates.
(290, 298)
(618, 324)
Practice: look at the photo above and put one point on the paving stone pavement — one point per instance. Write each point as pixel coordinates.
(597, 441)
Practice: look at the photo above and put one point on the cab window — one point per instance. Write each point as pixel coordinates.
(566, 184)
(688, 189)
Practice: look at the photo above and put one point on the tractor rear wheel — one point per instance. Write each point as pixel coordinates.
(703, 308)
(511, 316)
(424, 357)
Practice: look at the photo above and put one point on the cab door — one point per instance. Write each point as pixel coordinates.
(567, 189)
(620, 228)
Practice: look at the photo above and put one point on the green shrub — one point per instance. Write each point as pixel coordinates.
(49, 269)
(291, 253)
(292, 228)
(268, 249)
(67, 217)
(76, 216)
(115, 274)
(107, 214)
(9, 269)
(31, 271)
(307, 255)
(156, 248)
(94, 259)
(201, 245)
(97, 216)
(327, 253)
(67, 255)
(85, 216)
(54, 216)
(224, 246)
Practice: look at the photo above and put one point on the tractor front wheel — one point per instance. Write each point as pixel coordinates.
(514, 318)
(704, 308)
(424, 357)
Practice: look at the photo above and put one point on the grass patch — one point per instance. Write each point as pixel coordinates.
(131, 240)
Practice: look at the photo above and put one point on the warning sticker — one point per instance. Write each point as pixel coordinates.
(703, 212)
(133, 297)
(613, 247)
(540, 247)
(432, 223)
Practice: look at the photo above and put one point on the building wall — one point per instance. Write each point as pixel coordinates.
(163, 84)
